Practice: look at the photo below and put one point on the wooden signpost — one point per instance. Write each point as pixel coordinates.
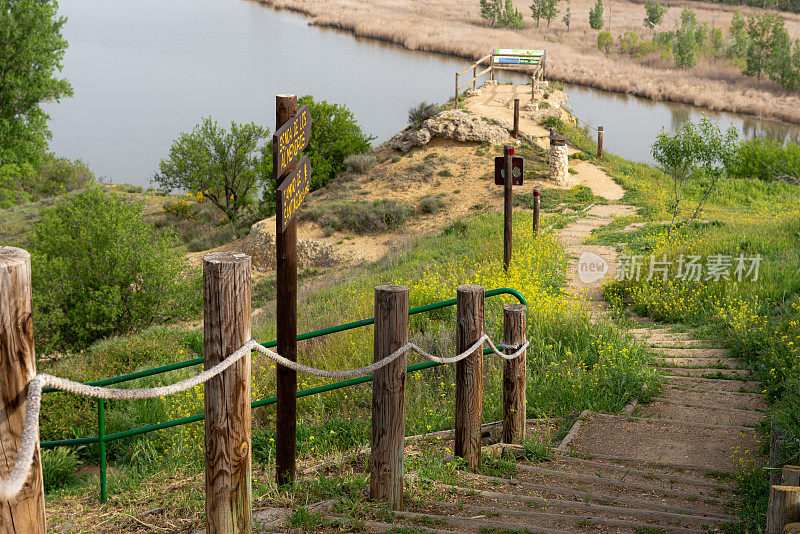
(293, 130)
(505, 166)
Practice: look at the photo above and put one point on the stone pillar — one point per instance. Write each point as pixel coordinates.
(559, 160)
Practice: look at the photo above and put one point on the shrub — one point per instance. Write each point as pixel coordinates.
(766, 160)
(99, 269)
(58, 467)
(360, 217)
(629, 43)
(431, 204)
(605, 41)
(335, 134)
(596, 16)
(25, 183)
(360, 163)
(422, 112)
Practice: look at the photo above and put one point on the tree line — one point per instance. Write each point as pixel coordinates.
(759, 44)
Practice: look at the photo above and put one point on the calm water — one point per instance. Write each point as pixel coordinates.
(145, 71)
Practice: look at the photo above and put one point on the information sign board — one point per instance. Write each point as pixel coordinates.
(292, 192)
(291, 139)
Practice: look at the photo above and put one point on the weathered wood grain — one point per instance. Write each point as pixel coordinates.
(388, 396)
(226, 327)
(469, 374)
(25, 513)
(515, 327)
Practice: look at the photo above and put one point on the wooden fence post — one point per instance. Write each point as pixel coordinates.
(516, 118)
(226, 327)
(469, 374)
(600, 142)
(784, 508)
(790, 475)
(777, 445)
(456, 108)
(515, 326)
(536, 198)
(475, 77)
(24, 513)
(389, 396)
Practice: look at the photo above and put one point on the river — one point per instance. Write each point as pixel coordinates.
(145, 71)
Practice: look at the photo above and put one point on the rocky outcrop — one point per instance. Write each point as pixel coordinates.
(453, 125)
(260, 246)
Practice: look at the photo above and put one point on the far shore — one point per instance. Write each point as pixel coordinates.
(446, 27)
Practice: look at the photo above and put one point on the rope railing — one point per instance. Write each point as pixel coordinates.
(566, 108)
(12, 485)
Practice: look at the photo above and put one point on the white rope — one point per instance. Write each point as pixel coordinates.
(12, 485)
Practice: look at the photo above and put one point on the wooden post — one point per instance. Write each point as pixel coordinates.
(533, 89)
(507, 206)
(389, 396)
(599, 142)
(24, 513)
(777, 444)
(516, 118)
(286, 246)
(515, 326)
(475, 77)
(784, 508)
(226, 327)
(536, 197)
(456, 91)
(469, 375)
(790, 475)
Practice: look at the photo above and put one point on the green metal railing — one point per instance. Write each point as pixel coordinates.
(103, 438)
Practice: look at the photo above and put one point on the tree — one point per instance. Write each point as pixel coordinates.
(686, 40)
(510, 17)
(654, 13)
(536, 10)
(549, 10)
(335, 134)
(567, 16)
(605, 41)
(700, 152)
(223, 166)
(31, 50)
(99, 269)
(737, 36)
(782, 63)
(596, 16)
(490, 10)
(761, 30)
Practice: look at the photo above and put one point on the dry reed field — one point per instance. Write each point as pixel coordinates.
(454, 27)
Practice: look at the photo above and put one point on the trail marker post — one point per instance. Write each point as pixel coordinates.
(24, 514)
(536, 198)
(292, 132)
(508, 151)
(516, 118)
(600, 130)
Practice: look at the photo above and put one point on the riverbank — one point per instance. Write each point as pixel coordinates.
(447, 27)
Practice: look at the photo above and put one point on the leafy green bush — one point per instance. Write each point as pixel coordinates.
(335, 134)
(766, 160)
(25, 183)
(99, 269)
(58, 467)
(629, 43)
(605, 41)
(422, 112)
